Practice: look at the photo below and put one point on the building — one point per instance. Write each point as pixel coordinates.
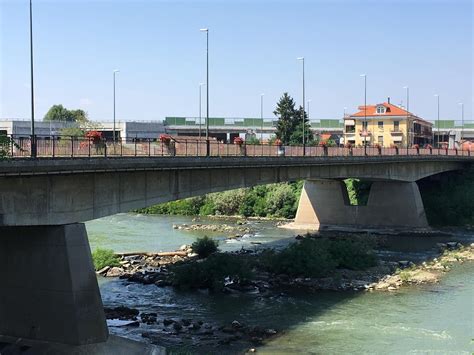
(386, 124)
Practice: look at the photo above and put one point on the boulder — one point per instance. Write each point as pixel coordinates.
(114, 272)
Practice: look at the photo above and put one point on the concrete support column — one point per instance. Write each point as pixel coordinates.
(49, 289)
(391, 204)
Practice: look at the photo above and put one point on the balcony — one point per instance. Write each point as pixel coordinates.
(396, 131)
(365, 133)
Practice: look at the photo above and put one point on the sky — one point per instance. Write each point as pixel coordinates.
(253, 49)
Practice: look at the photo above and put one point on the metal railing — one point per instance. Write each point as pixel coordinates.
(81, 147)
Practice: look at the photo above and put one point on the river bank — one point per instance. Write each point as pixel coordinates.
(156, 269)
(318, 321)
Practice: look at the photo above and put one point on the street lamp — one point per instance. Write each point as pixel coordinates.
(302, 60)
(261, 117)
(33, 136)
(462, 122)
(200, 102)
(437, 97)
(206, 30)
(408, 121)
(115, 72)
(365, 113)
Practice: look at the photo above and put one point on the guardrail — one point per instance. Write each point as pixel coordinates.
(80, 147)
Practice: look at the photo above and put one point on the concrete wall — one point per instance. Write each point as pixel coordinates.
(325, 203)
(49, 288)
(72, 192)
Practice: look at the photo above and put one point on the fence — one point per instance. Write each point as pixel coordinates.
(76, 147)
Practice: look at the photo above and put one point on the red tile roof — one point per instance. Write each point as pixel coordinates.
(391, 110)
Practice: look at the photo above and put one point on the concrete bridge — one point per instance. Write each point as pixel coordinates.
(49, 288)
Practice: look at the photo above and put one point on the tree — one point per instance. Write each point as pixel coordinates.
(60, 113)
(296, 136)
(285, 111)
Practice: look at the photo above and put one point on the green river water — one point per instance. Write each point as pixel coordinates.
(429, 319)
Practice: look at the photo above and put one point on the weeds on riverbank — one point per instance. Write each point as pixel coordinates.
(104, 257)
(310, 257)
(213, 272)
(205, 246)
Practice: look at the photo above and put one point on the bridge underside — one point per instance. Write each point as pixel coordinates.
(391, 204)
(49, 288)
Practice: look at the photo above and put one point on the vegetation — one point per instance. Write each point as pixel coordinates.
(275, 200)
(6, 145)
(358, 191)
(316, 257)
(104, 257)
(205, 246)
(448, 201)
(290, 126)
(310, 257)
(60, 113)
(212, 272)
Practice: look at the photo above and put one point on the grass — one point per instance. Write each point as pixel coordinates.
(104, 257)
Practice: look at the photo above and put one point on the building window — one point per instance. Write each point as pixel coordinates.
(380, 125)
(380, 109)
(380, 140)
(350, 129)
(365, 124)
(396, 126)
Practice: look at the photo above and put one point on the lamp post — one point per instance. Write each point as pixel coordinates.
(365, 113)
(462, 124)
(437, 97)
(33, 136)
(408, 114)
(208, 150)
(261, 117)
(200, 111)
(302, 60)
(115, 72)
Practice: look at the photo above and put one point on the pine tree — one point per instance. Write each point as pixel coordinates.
(285, 111)
(296, 136)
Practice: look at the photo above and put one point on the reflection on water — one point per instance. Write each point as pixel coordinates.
(428, 319)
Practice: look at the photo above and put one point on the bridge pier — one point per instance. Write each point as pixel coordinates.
(391, 204)
(49, 289)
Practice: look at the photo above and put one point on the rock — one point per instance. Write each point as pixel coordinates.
(228, 330)
(404, 263)
(270, 331)
(192, 255)
(252, 350)
(256, 340)
(453, 245)
(196, 326)
(103, 270)
(391, 288)
(177, 326)
(236, 324)
(184, 247)
(121, 312)
(175, 226)
(148, 318)
(162, 283)
(299, 237)
(441, 246)
(114, 272)
(167, 322)
(186, 322)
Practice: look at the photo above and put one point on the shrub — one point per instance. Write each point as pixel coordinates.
(204, 246)
(281, 201)
(212, 273)
(354, 253)
(309, 257)
(228, 203)
(104, 257)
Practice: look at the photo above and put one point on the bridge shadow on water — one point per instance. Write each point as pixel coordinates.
(284, 312)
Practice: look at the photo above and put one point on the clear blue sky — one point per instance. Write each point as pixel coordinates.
(425, 44)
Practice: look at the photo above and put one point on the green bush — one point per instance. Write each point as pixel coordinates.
(309, 257)
(204, 246)
(354, 253)
(317, 257)
(358, 191)
(281, 201)
(212, 272)
(228, 203)
(104, 257)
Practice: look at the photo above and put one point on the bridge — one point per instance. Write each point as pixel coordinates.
(49, 289)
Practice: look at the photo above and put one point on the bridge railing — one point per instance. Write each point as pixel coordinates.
(77, 147)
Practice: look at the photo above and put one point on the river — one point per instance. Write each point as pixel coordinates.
(425, 319)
